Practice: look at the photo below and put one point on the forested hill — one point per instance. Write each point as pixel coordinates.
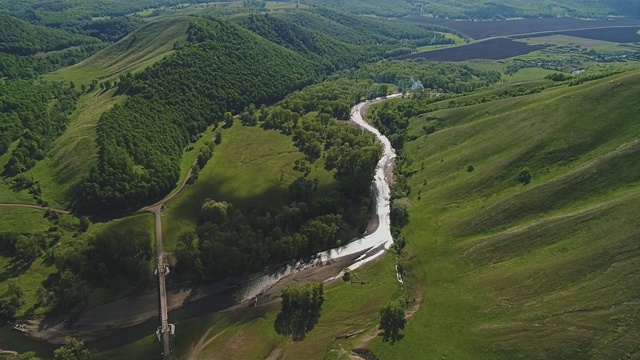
(334, 54)
(367, 31)
(344, 40)
(21, 38)
(223, 67)
(20, 41)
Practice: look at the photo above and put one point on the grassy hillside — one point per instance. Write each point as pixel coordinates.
(543, 270)
(73, 154)
(133, 53)
(75, 151)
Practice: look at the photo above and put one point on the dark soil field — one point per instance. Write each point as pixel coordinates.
(616, 34)
(494, 49)
(486, 29)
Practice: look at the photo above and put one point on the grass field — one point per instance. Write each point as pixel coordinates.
(251, 167)
(133, 53)
(348, 308)
(22, 220)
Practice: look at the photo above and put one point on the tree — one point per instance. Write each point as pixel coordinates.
(301, 305)
(392, 321)
(398, 244)
(430, 129)
(195, 174)
(84, 224)
(205, 153)
(227, 118)
(524, 176)
(74, 349)
(29, 247)
(215, 212)
(31, 355)
(400, 212)
(12, 299)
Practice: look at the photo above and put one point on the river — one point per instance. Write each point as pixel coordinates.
(369, 247)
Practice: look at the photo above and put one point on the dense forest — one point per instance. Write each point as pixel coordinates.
(54, 12)
(29, 67)
(422, 83)
(34, 113)
(324, 49)
(20, 41)
(344, 40)
(21, 38)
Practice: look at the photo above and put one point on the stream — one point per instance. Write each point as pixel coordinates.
(369, 247)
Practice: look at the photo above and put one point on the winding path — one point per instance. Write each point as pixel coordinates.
(37, 207)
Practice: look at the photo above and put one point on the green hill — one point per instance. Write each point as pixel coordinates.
(18, 37)
(367, 31)
(62, 170)
(223, 67)
(134, 52)
(543, 270)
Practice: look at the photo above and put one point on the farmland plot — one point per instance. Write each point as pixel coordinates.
(494, 49)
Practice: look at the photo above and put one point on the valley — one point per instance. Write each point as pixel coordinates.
(173, 175)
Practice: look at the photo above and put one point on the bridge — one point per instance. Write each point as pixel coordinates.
(166, 331)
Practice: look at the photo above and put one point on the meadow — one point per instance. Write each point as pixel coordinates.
(133, 53)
